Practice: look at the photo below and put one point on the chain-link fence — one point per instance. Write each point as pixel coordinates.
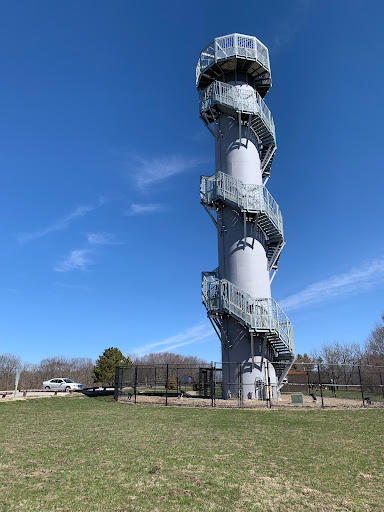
(337, 385)
(308, 385)
(167, 384)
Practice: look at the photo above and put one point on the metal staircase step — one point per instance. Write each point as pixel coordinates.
(261, 315)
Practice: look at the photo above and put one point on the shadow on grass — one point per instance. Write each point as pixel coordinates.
(97, 393)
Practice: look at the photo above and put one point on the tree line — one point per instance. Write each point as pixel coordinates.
(80, 369)
(339, 361)
(348, 363)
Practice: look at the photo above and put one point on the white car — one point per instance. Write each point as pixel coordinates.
(61, 384)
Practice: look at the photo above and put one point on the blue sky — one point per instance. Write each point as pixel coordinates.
(101, 149)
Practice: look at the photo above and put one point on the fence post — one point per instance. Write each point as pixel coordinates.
(334, 385)
(166, 387)
(18, 372)
(135, 382)
(116, 390)
(269, 388)
(321, 388)
(361, 386)
(214, 384)
(238, 386)
(211, 383)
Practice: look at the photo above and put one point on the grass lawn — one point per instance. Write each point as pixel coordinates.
(354, 394)
(92, 454)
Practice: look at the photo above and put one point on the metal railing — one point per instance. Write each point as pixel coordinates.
(232, 45)
(245, 100)
(258, 314)
(252, 198)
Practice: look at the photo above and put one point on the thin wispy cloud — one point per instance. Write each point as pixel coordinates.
(70, 286)
(13, 291)
(102, 239)
(357, 280)
(60, 224)
(78, 259)
(148, 171)
(286, 29)
(145, 208)
(194, 334)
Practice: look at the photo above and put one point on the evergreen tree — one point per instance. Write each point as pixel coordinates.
(104, 369)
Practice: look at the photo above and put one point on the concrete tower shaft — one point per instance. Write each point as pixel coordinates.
(241, 242)
(237, 157)
(232, 76)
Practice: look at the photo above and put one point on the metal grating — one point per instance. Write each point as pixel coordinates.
(254, 199)
(258, 314)
(250, 198)
(220, 97)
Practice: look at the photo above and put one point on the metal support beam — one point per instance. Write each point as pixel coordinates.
(223, 334)
(263, 350)
(267, 158)
(284, 373)
(273, 275)
(239, 118)
(210, 214)
(245, 230)
(249, 127)
(207, 123)
(213, 325)
(276, 254)
(216, 123)
(252, 351)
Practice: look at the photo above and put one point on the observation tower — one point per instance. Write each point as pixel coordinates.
(232, 77)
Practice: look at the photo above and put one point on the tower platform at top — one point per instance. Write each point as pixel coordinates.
(244, 57)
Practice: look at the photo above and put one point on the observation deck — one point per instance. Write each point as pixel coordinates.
(234, 53)
(253, 199)
(246, 105)
(259, 315)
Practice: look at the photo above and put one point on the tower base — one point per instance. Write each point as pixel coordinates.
(257, 383)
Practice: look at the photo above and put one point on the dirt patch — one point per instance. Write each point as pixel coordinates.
(283, 403)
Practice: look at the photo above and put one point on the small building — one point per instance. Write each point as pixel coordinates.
(297, 381)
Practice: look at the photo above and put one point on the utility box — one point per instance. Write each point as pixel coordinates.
(297, 398)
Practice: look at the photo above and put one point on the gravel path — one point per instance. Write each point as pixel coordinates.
(283, 403)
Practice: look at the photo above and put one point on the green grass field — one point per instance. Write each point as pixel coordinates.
(91, 454)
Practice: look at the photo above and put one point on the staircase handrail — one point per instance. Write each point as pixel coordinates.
(258, 314)
(232, 45)
(240, 99)
(247, 197)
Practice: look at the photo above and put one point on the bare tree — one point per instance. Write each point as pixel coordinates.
(374, 344)
(303, 362)
(166, 358)
(339, 361)
(32, 375)
(151, 367)
(9, 364)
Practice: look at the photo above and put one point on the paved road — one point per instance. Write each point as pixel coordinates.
(45, 394)
(32, 394)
